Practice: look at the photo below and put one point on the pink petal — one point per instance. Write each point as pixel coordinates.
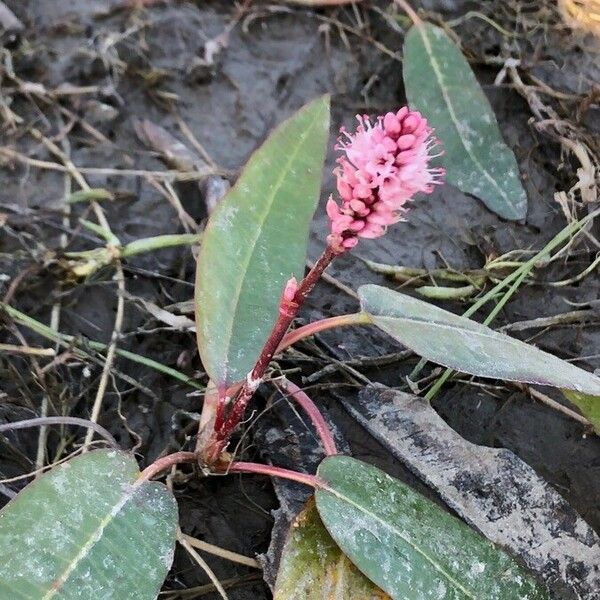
(406, 141)
(362, 191)
(411, 122)
(372, 231)
(357, 225)
(333, 210)
(344, 189)
(392, 124)
(357, 205)
(382, 218)
(402, 113)
(350, 242)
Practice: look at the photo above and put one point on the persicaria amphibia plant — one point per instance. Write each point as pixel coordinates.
(385, 164)
(250, 286)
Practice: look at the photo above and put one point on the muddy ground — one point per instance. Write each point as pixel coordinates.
(83, 72)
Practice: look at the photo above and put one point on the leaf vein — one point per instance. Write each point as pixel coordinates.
(390, 527)
(86, 548)
(440, 79)
(252, 248)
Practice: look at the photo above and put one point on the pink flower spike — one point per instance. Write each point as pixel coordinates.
(385, 163)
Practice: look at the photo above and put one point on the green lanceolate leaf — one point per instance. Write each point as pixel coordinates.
(459, 343)
(255, 241)
(314, 568)
(409, 546)
(588, 405)
(440, 82)
(86, 530)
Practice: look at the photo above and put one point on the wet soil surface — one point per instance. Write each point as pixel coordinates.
(230, 75)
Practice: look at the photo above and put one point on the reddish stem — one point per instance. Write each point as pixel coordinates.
(249, 467)
(220, 412)
(213, 413)
(166, 462)
(288, 310)
(407, 8)
(322, 325)
(314, 414)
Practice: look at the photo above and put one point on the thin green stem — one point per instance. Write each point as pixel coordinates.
(89, 261)
(89, 195)
(106, 234)
(70, 341)
(159, 242)
(515, 278)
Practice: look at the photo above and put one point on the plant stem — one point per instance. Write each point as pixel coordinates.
(406, 7)
(257, 468)
(88, 261)
(213, 412)
(159, 242)
(108, 236)
(202, 564)
(166, 462)
(310, 329)
(30, 350)
(77, 345)
(111, 352)
(287, 316)
(221, 552)
(313, 413)
(89, 194)
(287, 312)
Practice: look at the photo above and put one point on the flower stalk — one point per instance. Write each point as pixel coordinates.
(292, 298)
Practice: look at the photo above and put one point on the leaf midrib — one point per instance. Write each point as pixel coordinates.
(61, 580)
(439, 78)
(492, 336)
(387, 525)
(263, 217)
